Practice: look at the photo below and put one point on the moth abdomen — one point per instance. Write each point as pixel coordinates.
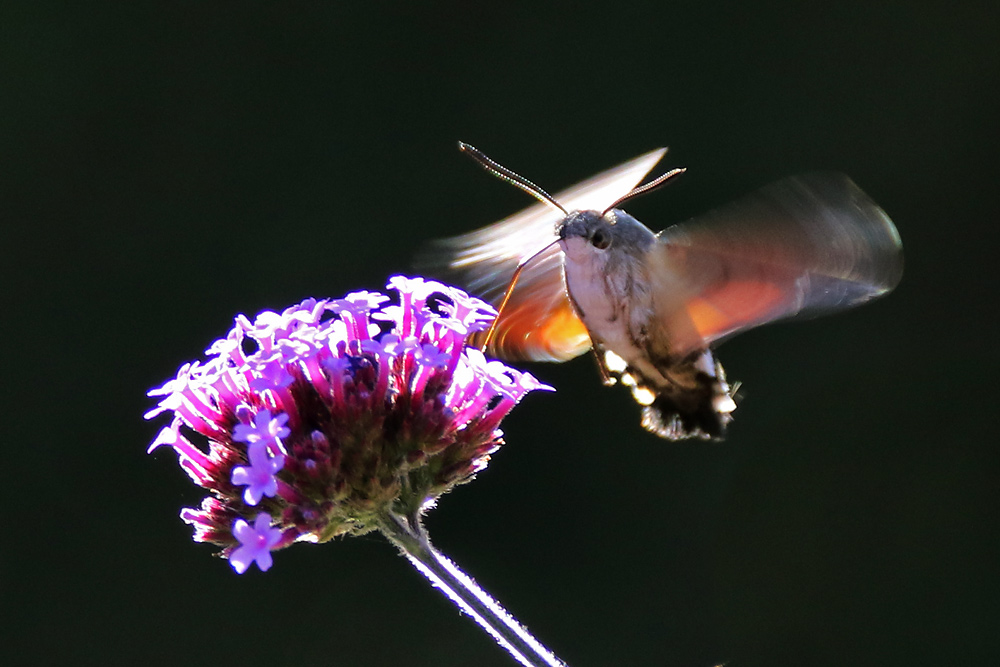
(690, 398)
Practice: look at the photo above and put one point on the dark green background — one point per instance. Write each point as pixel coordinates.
(164, 166)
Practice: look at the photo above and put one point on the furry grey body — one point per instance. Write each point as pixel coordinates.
(614, 295)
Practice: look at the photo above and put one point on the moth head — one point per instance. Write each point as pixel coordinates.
(585, 234)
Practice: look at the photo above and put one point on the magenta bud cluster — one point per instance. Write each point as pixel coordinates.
(320, 420)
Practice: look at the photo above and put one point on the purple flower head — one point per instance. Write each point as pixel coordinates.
(318, 421)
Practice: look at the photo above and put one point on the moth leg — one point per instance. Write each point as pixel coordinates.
(606, 378)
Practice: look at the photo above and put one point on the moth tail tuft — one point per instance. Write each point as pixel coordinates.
(700, 406)
(663, 418)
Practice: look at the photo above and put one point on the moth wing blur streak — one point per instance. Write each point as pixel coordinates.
(803, 246)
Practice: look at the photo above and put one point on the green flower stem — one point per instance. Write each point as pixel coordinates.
(412, 539)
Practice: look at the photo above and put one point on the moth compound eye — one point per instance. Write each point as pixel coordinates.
(600, 239)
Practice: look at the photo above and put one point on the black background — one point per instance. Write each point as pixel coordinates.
(167, 165)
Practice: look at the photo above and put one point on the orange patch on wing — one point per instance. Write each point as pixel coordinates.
(525, 332)
(734, 306)
(564, 332)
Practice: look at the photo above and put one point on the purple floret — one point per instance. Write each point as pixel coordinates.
(259, 476)
(256, 542)
(265, 432)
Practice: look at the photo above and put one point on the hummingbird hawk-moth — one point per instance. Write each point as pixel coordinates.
(652, 306)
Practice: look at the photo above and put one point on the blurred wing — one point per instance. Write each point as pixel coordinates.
(538, 323)
(805, 245)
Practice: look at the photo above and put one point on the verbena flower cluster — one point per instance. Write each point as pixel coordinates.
(318, 421)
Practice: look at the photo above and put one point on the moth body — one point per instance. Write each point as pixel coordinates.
(653, 306)
(604, 281)
(605, 268)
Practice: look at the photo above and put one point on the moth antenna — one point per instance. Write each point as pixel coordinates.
(507, 292)
(654, 184)
(506, 174)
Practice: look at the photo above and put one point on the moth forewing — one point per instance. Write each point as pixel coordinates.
(805, 245)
